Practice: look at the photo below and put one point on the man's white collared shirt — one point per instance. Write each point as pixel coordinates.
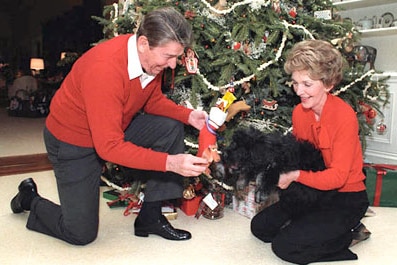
(134, 66)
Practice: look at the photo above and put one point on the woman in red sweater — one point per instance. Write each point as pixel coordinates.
(110, 107)
(325, 232)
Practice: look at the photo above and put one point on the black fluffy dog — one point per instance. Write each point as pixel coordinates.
(261, 157)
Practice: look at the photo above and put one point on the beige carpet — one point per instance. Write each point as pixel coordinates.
(224, 241)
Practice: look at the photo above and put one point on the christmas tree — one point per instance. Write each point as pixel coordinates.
(240, 47)
(239, 53)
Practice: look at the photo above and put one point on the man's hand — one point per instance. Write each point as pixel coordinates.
(186, 165)
(197, 119)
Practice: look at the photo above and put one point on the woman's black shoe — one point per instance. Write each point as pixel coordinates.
(162, 228)
(27, 192)
(360, 233)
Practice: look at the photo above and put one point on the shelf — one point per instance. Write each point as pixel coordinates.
(391, 74)
(351, 4)
(378, 32)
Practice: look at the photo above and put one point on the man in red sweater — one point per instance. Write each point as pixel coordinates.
(110, 107)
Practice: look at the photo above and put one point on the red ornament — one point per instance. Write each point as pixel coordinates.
(269, 104)
(189, 14)
(293, 12)
(237, 46)
(368, 112)
(381, 128)
(371, 113)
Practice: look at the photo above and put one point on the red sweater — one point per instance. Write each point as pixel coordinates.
(97, 101)
(336, 134)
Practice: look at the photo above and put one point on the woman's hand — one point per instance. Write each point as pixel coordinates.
(197, 119)
(186, 165)
(286, 179)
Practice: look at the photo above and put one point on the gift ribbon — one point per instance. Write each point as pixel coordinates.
(378, 186)
(381, 170)
(132, 199)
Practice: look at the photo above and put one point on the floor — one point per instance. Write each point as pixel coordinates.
(224, 241)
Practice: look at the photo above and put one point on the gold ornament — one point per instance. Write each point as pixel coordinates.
(189, 192)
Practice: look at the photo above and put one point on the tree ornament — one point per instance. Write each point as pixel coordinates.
(292, 12)
(189, 14)
(247, 48)
(381, 127)
(190, 61)
(265, 36)
(368, 111)
(189, 192)
(348, 43)
(269, 104)
(231, 88)
(371, 113)
(276, 6)
(237, 46)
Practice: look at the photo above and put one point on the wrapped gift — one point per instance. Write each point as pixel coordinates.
(381, 182)
(190, 207)
(245, 203)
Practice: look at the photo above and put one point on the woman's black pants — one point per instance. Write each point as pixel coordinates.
(322, 233)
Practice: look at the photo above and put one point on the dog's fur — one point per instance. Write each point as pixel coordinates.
(261, 157)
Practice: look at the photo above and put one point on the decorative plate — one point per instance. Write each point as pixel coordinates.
(387, 19)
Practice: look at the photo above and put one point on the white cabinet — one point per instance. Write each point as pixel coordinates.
(384, 39)
(381, 148)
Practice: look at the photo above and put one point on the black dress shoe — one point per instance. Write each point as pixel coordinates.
(27, 191)
(162, 228)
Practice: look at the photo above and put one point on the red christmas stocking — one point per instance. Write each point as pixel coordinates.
(207, 137)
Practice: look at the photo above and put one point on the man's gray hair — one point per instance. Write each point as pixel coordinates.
(163, 25)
